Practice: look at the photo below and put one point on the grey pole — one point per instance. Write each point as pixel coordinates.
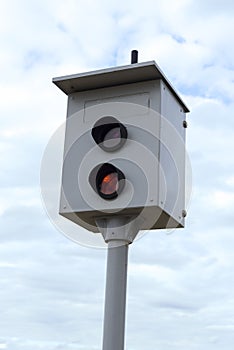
(115, 299)
(118, 232)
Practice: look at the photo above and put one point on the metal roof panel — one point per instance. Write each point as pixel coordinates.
(114, 76)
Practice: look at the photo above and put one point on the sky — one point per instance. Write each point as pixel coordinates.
(180, 284)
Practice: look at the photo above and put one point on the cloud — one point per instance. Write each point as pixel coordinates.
(51, 290)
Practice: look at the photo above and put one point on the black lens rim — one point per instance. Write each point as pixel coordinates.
(103, 126)
(107, 169)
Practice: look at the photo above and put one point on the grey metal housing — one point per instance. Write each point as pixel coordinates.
(152, 159)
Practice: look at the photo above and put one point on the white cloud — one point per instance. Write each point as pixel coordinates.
(230, 181)
(177, 282)
(221, 199)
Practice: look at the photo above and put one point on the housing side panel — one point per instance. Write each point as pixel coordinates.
(172, 156)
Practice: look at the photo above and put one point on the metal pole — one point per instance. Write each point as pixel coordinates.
(115, 299)
(118, 232)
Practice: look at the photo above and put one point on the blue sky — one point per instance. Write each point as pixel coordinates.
(181, 285)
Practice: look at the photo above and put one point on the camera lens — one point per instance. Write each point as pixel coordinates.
(109, 181)
(109, 134)
(109, 184)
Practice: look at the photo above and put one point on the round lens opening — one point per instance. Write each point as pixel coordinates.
(110, 184)
(112, 138)
(109, 180)
(109, 134)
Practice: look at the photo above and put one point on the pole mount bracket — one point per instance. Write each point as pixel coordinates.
(121, 229)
